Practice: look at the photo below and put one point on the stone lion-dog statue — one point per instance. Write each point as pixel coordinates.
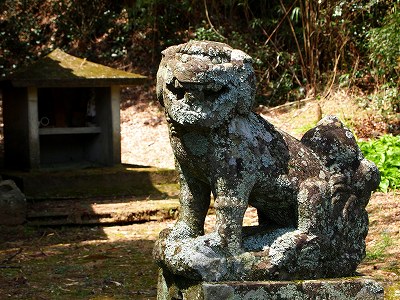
(310, 194)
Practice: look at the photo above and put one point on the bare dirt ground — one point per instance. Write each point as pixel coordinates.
(114, 262)
(144, 136)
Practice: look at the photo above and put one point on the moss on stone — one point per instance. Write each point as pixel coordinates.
(63, 70)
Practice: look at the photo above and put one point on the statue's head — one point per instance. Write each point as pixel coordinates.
(203, 83)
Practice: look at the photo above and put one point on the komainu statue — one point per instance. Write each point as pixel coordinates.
(310, 194)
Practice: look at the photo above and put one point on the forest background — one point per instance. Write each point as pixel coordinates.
(300, 48)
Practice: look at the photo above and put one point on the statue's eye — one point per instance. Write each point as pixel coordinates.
(215, 87)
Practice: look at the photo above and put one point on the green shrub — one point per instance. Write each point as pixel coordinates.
(385, 101)
(385, 153)
(384, 47)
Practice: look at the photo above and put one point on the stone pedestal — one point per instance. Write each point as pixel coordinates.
(172, 287)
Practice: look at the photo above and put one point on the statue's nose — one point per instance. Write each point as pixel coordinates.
(191, 71)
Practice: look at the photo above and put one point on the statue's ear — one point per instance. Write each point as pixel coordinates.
(166, 54)
(246, 95)
(240, 57)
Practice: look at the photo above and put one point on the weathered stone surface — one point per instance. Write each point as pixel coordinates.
(310, 195)
(12, 204)
(171, 287)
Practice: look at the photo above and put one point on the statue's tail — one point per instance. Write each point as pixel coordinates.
(352, 180)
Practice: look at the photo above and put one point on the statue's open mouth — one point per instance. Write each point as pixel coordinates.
(196, 93)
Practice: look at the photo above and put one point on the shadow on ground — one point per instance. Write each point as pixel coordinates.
(78, 262)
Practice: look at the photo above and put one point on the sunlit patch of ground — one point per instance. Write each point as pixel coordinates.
(144, 137)
(383, 240)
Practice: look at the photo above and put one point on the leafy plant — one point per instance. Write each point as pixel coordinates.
(385, 153)
(386, 100)
(206, 33)
(384, 46)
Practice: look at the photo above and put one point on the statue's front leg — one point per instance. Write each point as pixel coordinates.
(194, 203)
(229, 212)
(231, 201)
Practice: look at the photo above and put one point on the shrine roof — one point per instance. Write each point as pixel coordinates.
(59, 69)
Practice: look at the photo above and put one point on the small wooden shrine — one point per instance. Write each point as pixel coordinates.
(63, 111)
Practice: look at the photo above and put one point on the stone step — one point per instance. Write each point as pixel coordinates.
(119, 181)
(99, 211)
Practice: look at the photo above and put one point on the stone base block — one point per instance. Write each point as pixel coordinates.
(172, 287)
(12, 204)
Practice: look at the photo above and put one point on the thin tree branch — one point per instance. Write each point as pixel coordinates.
(279, 24)
(288, 104)
(303, 66)
(335, 69)
(8, 259)
(210, 23)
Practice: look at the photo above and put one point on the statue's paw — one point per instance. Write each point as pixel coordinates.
(198, 258)
(297, 255)
(284, 253)
(170, 236)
